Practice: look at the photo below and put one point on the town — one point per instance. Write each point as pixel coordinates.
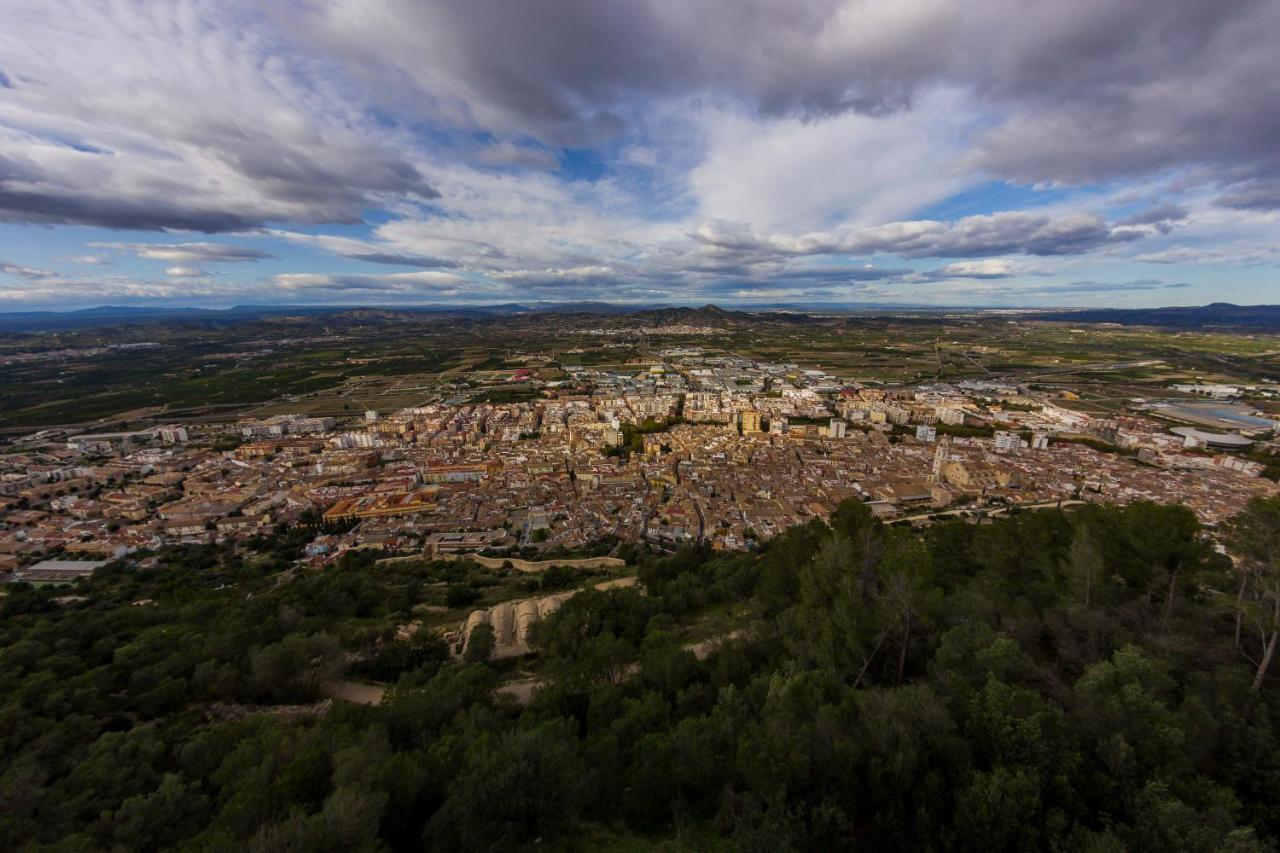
(639, 427)
(677, 446)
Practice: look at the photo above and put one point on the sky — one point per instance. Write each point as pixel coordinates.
(736, 152)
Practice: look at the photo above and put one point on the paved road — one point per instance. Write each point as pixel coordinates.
(988, 511)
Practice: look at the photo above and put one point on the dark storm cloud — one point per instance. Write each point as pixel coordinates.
(579, 142)
(1104, 89)
(568, 69)
(1162, 217)
(1090, 89)
(172, 116)
(142, 201)
(1253, 195)
(970, 237)
(399, 260)
(71, 204)
(1006, 233)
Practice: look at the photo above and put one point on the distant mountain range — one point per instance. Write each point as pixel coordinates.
(1218, 315)
(119, 314)
(1259, 318)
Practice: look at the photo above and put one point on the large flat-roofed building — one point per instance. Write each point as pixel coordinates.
(387, 504)
(1193, 437)
(452, 543)
(457, 473)
(58, 571)
(1221, 392)
(1218, 416)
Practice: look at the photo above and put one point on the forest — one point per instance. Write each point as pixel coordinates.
(1095, 680)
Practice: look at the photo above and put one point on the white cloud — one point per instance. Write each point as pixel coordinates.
(796, 175)
(640, 150)
(24, 272)
(190, 115)
(986, 268)
(437, 283)
(185, 272)
(201, 252)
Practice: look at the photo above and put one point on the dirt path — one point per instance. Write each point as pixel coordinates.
(356, 692)
(522, 689)
(702, 649)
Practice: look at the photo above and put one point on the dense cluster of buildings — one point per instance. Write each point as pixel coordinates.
(682, 447)
(70, 353)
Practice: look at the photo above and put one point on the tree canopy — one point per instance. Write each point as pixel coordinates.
(1100, 679)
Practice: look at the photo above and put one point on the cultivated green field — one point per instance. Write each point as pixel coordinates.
(342, 365)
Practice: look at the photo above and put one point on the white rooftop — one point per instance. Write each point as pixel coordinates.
(83, 566)
(1220, 439)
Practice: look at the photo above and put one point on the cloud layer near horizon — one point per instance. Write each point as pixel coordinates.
(645, 150)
